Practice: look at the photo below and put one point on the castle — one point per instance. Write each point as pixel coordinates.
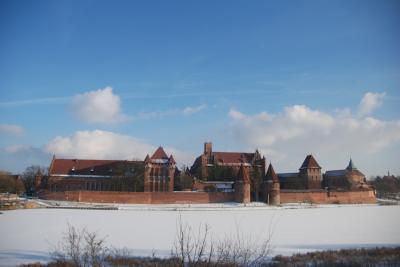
(215, 177)
(155, 174)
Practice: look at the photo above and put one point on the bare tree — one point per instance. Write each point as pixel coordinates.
(197, 248)
(242, 249)
(10, 183)
(81, 248)
(193, 248)
(28, 177)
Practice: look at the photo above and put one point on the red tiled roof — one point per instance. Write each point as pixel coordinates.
(159, 154)
(233, 157)
(310, 162)
(90, 166)
(271, 175)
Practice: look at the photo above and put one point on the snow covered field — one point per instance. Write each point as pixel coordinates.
(27, 235)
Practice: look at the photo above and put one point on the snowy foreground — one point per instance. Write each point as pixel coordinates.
(28, 235)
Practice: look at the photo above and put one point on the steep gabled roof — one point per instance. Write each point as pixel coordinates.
(159, 154)
(271, 175)
(310, 162)
(233, 157)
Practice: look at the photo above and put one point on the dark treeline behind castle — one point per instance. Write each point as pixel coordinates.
(386, 186)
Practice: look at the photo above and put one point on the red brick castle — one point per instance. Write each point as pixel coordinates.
(215, 177)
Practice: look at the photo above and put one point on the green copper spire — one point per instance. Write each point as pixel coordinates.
(351, 165)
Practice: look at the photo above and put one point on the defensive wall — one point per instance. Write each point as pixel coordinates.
(286, 196)
(140, 197)
(327, 197)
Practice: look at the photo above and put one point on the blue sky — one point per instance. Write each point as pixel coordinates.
(183, 72)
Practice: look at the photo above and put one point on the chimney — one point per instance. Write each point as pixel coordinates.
(208, 148)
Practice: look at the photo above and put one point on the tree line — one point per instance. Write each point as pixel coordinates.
(23, 183)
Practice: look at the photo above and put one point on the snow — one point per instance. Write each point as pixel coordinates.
(28, 235)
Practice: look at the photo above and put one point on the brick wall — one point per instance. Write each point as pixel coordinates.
(332, 197)
(286, 196)
(139, 197)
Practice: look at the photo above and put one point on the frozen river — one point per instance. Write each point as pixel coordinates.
(27, 235)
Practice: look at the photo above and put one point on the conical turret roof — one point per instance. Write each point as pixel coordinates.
(271, 175)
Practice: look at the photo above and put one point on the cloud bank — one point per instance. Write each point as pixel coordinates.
(287, 137)
(100, 144)
(99, 106)
(11, 129)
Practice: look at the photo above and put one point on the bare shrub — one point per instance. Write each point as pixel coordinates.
(190, 247)
(81, 248)
(243, 250)
(195, 247)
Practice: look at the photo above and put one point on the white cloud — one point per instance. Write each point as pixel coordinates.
(187, 111)
(100, 106)
(370, 102)
(99, 144)
(192, 110)
(11, 129)
(333, 138)
(302, 115)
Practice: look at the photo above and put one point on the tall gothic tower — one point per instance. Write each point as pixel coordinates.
(159, 172)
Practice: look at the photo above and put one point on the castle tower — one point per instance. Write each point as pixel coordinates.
(159, 172)
(242, 185)
(147, 171)
(171, 173)
(206, 158)
(310, 173)
(208, 148)
(272, 187)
